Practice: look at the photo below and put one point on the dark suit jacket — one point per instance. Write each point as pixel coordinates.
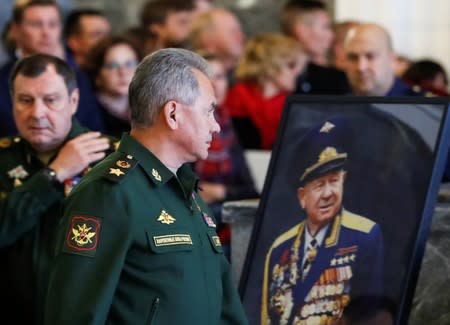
(319, 80)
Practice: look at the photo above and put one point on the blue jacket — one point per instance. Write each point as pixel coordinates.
(400, 88)
(349, 264)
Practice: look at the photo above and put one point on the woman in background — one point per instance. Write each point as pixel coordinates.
(111, 65)
(265, 75)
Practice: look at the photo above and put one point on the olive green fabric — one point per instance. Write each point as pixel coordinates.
(30, 208)
(137, 245)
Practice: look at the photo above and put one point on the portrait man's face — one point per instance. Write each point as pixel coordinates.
(321, 198)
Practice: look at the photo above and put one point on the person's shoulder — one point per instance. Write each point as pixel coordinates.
(10, 143)
(6, 68)
(356, 222)
(288, 235)
(11, 153)
(322, 80)
(115, 168)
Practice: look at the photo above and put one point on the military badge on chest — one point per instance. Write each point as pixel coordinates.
(18, 174)
(165, 218)
(206, 218)
(329, 295)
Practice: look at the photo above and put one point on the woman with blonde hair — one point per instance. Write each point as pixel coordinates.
(265, 75)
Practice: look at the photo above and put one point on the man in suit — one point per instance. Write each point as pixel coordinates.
(370, 63)
(313, 270)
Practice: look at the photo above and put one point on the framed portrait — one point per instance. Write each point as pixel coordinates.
(345, 210)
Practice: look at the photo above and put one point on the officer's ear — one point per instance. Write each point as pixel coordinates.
(344, 175)
(74, 98)
(171, 112)
(301, 196)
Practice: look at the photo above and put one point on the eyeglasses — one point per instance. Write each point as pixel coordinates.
(129, 64)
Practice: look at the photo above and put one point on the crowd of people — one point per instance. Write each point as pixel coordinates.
(72, 88)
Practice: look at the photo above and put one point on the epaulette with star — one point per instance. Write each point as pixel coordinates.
(7, 142)
(120, 168)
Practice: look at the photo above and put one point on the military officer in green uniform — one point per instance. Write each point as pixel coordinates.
(37, 169)
(137, 243)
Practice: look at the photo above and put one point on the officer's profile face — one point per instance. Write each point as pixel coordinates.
(43, 109)
(198, 123)
(369, 62)
(322, 197)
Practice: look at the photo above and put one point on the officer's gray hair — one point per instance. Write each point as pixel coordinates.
(162, 76)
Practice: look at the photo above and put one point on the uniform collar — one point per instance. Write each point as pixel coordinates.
(75, 130)
(155, 169)
(332, 232)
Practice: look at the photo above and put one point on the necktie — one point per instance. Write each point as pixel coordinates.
(311, 253)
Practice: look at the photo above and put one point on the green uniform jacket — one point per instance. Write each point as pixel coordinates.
(139, 246)
(30, 207)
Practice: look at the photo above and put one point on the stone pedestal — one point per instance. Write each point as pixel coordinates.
(431, 302)
(240, 215)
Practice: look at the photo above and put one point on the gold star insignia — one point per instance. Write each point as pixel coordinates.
(165, 218)
(116, 171)
(129, 156)
(327, 127)
(156, 175)
(116, 145)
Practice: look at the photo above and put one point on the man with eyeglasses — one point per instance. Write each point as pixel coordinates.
(37, 28)
(38, 168)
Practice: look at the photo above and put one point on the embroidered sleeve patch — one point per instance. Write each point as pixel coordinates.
(83, 235)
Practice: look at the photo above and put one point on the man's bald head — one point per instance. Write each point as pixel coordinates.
(370, 31)
(219, 32)
(370, 59)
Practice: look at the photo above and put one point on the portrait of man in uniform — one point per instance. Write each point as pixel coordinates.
(346, 205)
(314, 269)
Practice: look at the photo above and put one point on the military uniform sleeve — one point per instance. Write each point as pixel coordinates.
(94, 238)
(22, 207)
(232, 310)
(369, 277)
